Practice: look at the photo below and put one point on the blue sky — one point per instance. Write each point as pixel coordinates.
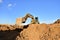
(46, 10)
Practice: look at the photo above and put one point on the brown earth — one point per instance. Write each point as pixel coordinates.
(30, 32)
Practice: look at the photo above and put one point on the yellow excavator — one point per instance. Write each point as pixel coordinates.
(19, 21)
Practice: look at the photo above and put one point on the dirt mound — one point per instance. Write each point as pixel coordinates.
(30, 32)
(57, 22)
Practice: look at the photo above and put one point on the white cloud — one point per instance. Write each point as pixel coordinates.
(1, 1)
(9, 5)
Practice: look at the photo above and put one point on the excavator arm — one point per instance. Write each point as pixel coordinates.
(26, 17)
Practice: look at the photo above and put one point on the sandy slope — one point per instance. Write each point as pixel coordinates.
(30, 32)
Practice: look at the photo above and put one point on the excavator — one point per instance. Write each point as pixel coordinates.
(19, 21)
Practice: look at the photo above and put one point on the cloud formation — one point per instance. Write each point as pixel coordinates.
(1, 1)
(11, 5)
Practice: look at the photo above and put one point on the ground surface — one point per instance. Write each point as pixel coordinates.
(30, 32)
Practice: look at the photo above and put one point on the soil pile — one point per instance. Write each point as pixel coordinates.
(30, 32)
(57, 22)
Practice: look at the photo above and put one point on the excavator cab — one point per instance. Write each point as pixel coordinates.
(36, 19)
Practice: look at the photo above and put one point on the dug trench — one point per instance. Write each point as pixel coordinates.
(10, 34)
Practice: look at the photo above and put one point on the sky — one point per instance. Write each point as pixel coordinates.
(47, 11)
